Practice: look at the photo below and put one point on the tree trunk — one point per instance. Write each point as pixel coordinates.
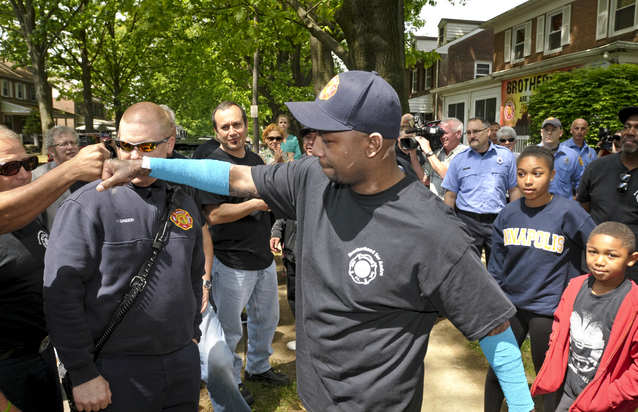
(87, 92)
(43, 95)
(375, 40)
(323, 68)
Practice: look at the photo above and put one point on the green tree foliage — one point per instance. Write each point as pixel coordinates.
(594, 94)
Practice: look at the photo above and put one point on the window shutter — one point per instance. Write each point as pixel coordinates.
(507, 50)
(602, 20)
(540, 30)
(567, 16)
(528, 39)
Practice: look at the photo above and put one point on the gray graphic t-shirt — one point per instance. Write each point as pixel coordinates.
(589, 329)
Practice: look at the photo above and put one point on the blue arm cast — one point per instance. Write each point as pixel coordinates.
(504, 356)
(208, 175)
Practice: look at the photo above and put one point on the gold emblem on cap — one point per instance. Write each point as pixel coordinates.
(330, 89)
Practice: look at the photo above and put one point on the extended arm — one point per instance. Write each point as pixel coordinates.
(437, 165)
(208, 175)
(20, 206)
(209, 252)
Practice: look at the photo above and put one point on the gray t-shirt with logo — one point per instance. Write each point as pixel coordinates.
(373, 271)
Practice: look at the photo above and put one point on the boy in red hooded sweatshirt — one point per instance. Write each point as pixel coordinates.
(593, 352)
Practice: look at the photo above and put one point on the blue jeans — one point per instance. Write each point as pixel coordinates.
(216, 362)
(256, 290)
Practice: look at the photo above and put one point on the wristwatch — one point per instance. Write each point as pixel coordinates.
(430, 153)
(207, 284)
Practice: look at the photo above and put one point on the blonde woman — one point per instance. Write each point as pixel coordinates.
(273, 137)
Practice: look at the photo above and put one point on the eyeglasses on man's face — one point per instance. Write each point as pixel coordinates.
(475, 132)
(142, 147)
(509, 139)
(12, 168)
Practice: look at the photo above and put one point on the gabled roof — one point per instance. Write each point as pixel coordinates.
(6, 70)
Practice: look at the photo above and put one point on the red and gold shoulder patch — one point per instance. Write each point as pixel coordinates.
(580, 161)
(182, 219)
(330, 89)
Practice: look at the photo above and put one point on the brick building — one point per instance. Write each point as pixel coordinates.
(530, 42)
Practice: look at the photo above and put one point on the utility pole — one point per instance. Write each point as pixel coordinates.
(254, 109)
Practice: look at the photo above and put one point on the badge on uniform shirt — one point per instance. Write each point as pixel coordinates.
(590, 155)
(566, 160)
(182, 219)
(580, 161)
(499, 160)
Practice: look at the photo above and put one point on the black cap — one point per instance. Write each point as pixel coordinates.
(626, 112)
(304, 131)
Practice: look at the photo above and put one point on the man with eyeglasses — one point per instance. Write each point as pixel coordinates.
(477, 181)
(439, 160)
(567, 163)
(99, 243)
(609, 187)
(577, 143)
(62, 145)
(28, 370)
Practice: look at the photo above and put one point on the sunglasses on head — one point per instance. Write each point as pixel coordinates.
(510, 139)
(12, 168)
(276, 138)
(142, 147)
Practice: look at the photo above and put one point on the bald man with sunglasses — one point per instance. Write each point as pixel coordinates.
(28, 370)
(151, 360)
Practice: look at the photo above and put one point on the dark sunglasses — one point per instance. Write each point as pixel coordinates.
(12, 168)
(142, 147)
(511, 139)
(624, 184)
(276, 139)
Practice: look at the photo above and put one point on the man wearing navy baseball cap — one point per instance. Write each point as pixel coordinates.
(365, 302)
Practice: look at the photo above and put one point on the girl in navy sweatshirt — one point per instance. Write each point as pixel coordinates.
(537, 248)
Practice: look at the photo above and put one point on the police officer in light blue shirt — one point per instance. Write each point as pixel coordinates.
(578, 144)
(476, 182)
(567, 163)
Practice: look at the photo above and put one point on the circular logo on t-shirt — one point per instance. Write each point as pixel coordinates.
(43, 238)
(365, 265)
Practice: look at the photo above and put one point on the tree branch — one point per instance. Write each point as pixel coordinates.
(321, 35)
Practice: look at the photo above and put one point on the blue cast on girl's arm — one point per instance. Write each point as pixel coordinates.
(208, 175)
(504, 356)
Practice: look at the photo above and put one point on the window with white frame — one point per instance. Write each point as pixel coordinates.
(20, 91)
(486, 109)
(6, 88)
(441, 36)
(428, 78)
(623, 14)
(32, 93)
(553, 30)
(456, 110)
(482, 69)
(518, 43)
(415, 80)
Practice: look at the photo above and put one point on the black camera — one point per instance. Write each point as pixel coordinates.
(430, 130)
(606, 138)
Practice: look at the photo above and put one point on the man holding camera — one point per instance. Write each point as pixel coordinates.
(609, 187)
(439, 160)
(408, 155)
(578, 144)
(476, 182)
